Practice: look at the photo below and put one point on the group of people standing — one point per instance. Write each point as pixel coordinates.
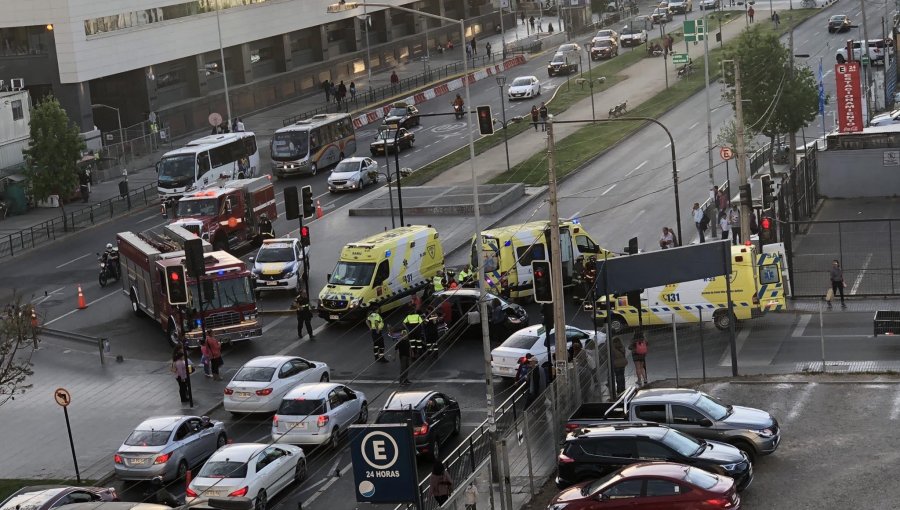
(338, 93)
(181, 366)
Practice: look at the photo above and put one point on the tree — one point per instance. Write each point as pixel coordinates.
(777, 99)
(18, 340)
(52, 155)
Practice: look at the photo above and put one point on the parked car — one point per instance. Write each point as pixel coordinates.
(402, 114)
(318, 413)
(632, 36)
(261, 383)
(464, 301)
(876, 51)
(353, 174)
(591, 453)
(45, 497)
(435, 418)
(886, 119)
(534, 340)
(386, 140)
(839, 23)
(524, 87)
(681, 6)
(604, 49)
(652, 486)
(661, 15)
(709, 4)
(251, 470)
(168, 446)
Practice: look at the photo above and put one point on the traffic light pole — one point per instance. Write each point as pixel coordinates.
(303, 250)
(202, 340)
(397, 169)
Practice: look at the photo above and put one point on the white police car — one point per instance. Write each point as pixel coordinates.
(278, 264)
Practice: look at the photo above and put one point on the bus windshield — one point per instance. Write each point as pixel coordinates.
(354, 274)
(178, 169)
(195, 208)
(290, 144)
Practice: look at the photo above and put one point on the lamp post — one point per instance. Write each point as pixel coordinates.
(397, 169)
(387, 174)
(224, 71)
(119, 118)
(501, 80)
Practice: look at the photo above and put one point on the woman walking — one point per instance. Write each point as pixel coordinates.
(440, 483)
(638, 350)
(179, 368)
(620, 361)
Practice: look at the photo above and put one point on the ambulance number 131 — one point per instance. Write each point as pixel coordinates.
(672, 297)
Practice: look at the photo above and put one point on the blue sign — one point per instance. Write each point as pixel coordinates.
(384, 463)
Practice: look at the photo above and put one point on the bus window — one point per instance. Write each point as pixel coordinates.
(315, 140)
(249, 145)
(203, 163)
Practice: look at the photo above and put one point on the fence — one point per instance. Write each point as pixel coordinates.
(74, 221)
(800, 191)
(140, 140)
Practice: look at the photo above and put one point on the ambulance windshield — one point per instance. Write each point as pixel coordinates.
(354, 274)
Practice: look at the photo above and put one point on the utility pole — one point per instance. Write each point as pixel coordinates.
(559, 311)
(864, 53)
(792, 140)
(741, 159)
(714, 224)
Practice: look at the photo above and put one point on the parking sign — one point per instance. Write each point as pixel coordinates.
(384, 463)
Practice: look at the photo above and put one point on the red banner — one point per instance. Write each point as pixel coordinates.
(849, 98)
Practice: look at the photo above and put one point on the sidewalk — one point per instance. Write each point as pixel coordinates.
(643, 81)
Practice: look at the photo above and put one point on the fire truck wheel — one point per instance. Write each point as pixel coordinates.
(134, 304)
(172, 335)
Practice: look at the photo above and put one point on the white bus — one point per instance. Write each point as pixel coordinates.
(310, 144)
(205, 161)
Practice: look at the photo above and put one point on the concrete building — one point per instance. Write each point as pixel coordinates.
(163, 55)
(15, 121)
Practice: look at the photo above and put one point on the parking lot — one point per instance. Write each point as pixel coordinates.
(839, 441)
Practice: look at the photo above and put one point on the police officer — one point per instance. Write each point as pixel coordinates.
(437, 281)
(463, 276)
(304, 316)
(413, 323)
(266, 231)
(376, 327)
(430, 331)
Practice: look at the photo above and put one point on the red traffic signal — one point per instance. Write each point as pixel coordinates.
(485, 120)
(304, 235)
(176, 286)
(174, 276)
(542, 284)
(766, 223)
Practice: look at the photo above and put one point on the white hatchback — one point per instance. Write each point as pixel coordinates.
(261, 383)
(318, 413)
(524, 87)
(352, 174)
(505, 358)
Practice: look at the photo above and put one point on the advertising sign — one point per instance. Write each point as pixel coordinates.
(384, 463)
(849, 98)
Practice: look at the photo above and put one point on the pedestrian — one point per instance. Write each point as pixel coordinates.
(776, 18)
(304, 316)
(430, 332)
(204, 360)
(376, 328)
(837, 282)
(532, 381)
(439, 483)
(535, 115)
(700, 220)
(523, 16)
(734, 219)
(670, 42)
(179, 368)
(326, 86)
(395, 81)
(498, 319)
(522, 368)
(404, 351)
(333, 91)
(215, 356)
(240, 125)
(353, 92)
(234, 126)
(474, 46)
(468, 51)
(550, 28)
(667, 239)
(620, 361)
(531, 21)
(541, 25)
(721, 200)
(754, 225)
(487, 48)
(574, 350)
(750, 13)
(724, 225)
(471, 496)
(674, 237)
(543, 111)
(638, 350)
(342, 92)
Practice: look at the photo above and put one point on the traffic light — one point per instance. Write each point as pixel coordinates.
(291, 203)
(746, 195)
(766, 228)
(304, 235)
(176, 285)
(485, 120)
(543, 286)
(768, 191)
(309, 207)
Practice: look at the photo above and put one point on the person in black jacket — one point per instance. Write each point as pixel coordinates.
(403, 352)
(304, 316)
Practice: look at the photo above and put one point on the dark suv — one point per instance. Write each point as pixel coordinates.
(591, 453)
(462, 302)
(435, 417)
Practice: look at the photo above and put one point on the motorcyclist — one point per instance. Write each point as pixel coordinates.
(111, 259)
(265, 227)
(159, 495)
(458, 103)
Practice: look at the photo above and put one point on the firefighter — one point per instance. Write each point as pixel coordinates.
(463, 276)
(589, 276)
(376, 327)
(430, 331)
(437, 282)
(578, 280)
(266, 231)
(413, 323)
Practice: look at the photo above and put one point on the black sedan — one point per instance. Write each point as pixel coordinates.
(384, 140)
(402, 114)
(458, 303)
(839, 23)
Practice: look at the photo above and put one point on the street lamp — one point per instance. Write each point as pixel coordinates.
(119, 118)
(366, 19)
(485, 333)
(224, 71)
(501, 80)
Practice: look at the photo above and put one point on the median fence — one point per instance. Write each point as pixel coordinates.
(47, 231)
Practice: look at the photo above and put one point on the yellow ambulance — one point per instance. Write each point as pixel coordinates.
(508, 251)
(757, 286)
(384, 269)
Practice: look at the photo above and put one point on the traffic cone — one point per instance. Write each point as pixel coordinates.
(319, 212)
(81, 303)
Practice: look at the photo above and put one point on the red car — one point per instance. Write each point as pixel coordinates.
(651, 486)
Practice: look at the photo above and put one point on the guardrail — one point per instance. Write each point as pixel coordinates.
(47, 231)
(101, 343)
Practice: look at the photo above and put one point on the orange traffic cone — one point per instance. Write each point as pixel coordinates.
(81, 303)
(319, 212)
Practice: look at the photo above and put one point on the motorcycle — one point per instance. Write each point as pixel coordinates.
(619, 109)
(458, 110)
(686, 70)
(654, 51)
(109, 268)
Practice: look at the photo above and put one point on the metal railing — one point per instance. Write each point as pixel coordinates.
(48, 230)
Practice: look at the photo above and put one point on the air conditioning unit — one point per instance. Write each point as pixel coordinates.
(18, 83)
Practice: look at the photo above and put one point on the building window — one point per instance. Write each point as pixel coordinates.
(17, 111)
(142, 17)
(170, 78)
(261, 55)
(18, 41)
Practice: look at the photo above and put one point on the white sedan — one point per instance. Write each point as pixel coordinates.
(352, 174)
(505, 358)
(260, 384)
(251, 470)
(524, 87)
(886, 119)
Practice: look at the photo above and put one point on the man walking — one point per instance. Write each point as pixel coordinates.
(487, 48)
(531, 21)
(734, 219)
(535, 116)
(395, 81)
(376, 327)
(214, 348)
(403, 349)
(304, 316)
(543, 112)
(837, 282)
(326, 86)
(750, 13)
(699, 221)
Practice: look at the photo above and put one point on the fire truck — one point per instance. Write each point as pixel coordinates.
(228, 216)
(228, 306)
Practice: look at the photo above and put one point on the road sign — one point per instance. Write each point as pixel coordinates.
(384, 463)
(214, 119)
(694, 30)
(62, 397)
(680, 58)
(726, 153)
(864, 60)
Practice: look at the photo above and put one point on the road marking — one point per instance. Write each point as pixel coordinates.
(895, 409)
(295, 343)
(608, 190)
(75, 310)
(693, 125)
(804, 42)
(798, 406)
(725, 360)
(73, 260)
(423, 381)
(40, 299)
(801, 325)
(862, 272)
(666, 146)
(327, 485)
(312, 486)
(148, 218)
(636, 168)
(274, 323)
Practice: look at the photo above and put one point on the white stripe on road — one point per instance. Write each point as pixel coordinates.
(327, 485)
(608, 190)
(274, 323)
(895, 408)
(693, 125)
(636, 168)
(75, 310)
(798, 406)
(801, 325)
(73, 260)
(725, 360)
(862, 272)
(148, 218)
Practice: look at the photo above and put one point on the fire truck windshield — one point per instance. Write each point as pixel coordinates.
(226, 294)
(193, 207)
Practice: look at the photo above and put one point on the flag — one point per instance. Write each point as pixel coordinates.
(821, 90)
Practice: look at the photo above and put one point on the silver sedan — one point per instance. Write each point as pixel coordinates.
(168, 446)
